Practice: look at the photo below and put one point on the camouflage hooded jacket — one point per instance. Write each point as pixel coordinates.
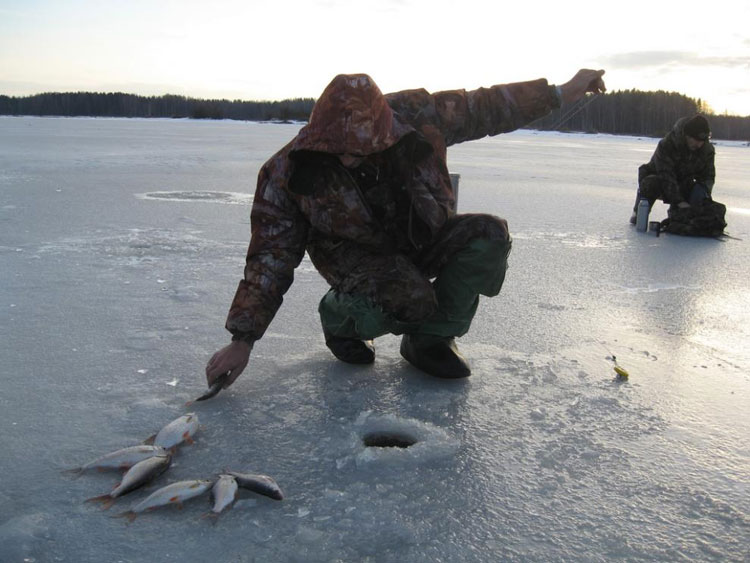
(679, 166)
(294, 211)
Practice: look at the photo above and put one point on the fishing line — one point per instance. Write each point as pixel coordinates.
(574, 110)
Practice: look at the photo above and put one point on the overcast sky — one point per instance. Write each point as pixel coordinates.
(275, 49)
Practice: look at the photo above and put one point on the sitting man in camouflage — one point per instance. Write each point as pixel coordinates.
(681, 171)
(365, 189)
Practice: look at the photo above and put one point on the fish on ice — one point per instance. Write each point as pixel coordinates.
(121, 459)
(223, 493)
(261, 484)
(180, 430)
(176, 494)
(137, 476)
(217, 386)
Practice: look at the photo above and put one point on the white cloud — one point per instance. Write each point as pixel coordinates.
(646, 59)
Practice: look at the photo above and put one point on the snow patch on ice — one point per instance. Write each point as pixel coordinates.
(150, 403)
(229, 198)
(656, 287)
(138, 247)
(9, 249)
(577, 239)
(140, 243)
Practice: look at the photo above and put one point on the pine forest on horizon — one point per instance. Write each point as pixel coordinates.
(626, 112)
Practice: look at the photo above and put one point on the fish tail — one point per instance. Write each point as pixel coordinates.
(211, 516)
(150, 440)
(106, 501)
(130, 515)
(75, 471)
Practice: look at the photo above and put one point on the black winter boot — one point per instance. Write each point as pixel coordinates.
(350, 350)
(438, 357)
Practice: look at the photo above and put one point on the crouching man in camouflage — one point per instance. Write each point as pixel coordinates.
(365, 189)
(681, 171)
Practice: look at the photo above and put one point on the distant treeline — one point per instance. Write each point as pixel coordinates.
(90, 104)
(627, 112)
(632, 112)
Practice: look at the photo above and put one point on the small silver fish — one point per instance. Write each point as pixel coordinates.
(176, 493)
(137, 476)
(217, 386)
(261, 484)
(176, 432)
(122, 459)
(224, 493)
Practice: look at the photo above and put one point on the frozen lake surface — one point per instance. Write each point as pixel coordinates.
(121, 244)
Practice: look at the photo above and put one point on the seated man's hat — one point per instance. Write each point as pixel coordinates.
(697, 128)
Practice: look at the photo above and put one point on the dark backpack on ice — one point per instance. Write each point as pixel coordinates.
(704, 220)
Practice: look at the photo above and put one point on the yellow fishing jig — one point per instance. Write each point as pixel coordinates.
(621, 372)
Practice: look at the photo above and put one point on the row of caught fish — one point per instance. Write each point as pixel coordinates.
(160, 447)
(224, 492)
(143, 463)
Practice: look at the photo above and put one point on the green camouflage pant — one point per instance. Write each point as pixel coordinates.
(393, 294)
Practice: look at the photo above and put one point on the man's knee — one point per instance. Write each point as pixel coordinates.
(491, 242)
(487, 227)
(484, 264)
(651, 187)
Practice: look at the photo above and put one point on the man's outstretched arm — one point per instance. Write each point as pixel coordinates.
(277, 246)
(461, 115)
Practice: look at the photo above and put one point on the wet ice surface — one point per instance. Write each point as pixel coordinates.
(121, 243)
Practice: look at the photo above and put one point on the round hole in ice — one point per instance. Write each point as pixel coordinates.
(388, 440)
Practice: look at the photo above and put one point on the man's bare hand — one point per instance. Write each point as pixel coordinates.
(583, 82)
(232, 358)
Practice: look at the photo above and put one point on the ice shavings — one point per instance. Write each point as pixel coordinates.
(430, 441)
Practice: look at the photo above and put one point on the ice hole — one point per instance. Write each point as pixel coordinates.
(388, 440)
